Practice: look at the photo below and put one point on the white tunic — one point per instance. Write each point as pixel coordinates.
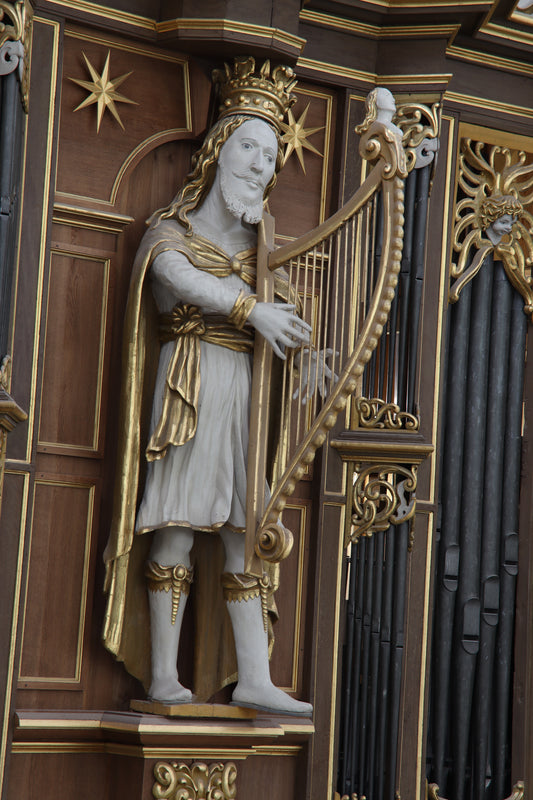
(201, 484)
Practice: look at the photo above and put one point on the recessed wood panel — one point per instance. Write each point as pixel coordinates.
(291, 602)
(306, 191)
(89, 160)
(74, 346)
(57, 582)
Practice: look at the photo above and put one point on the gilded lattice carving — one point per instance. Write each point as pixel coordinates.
(492, 216)
(383, 495)
(376, 413)
(15, 35)
(198, 781)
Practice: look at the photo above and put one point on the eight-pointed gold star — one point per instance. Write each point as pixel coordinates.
(295, 137)
(103, 91)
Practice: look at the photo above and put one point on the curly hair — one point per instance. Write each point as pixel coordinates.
(493, 208)
(371, 112)
(204, 166)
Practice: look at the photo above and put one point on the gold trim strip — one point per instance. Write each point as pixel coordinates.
(44, 230)
(96, 10)
(88, 218)
(489, 60)
(493, 30)
(375, 31)
(14, 621)
(424, 649)
(232, 26)
(113, 748)
(490, 105)
(372, 77)
(107, 41)
(492, 136)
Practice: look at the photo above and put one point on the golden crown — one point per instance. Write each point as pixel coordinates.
(265, 95)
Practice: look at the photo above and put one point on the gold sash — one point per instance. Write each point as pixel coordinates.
(186, 326)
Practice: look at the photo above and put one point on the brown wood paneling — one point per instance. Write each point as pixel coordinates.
(57, 581)
(307, 194)
(74, 350)
(158, 87)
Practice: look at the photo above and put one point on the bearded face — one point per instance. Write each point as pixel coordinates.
(246, 165)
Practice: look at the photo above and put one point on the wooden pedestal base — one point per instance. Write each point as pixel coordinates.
(193, 710)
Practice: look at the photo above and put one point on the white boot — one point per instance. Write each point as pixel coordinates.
(255, 688)
(167, 595)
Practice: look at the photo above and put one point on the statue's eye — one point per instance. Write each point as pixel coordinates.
(269, 158)
(246, 146)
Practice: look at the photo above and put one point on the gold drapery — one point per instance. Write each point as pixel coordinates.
(126, 623)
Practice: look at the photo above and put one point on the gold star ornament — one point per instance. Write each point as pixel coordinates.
(296, 135)
(103, 91)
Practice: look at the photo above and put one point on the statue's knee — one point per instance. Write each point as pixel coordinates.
(171, 546)
(234, 546)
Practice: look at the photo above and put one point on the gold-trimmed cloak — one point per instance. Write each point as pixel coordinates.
(126, 623)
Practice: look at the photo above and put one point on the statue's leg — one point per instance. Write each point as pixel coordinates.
(169, 576)
(243, 598)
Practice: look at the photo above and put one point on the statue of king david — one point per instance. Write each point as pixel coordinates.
(196, 266)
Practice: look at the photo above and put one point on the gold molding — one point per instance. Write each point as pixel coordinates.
(7, 716)
(124, 17)
(372, 78)
(505, 32)
(360, 449)
(471, 100)
(232, 26)
(175, 781)
(489, 60)
(46, 201)
(368, 30)
(92, 219)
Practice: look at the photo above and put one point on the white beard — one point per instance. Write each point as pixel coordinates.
(247, 210)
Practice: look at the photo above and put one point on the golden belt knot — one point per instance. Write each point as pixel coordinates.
(182, 320)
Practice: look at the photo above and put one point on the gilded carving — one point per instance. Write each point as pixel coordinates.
(198, 781)
(15, 35)
(103, 91)
(383, 495)
(420, 125)
(10, 413)
(376, 413)
(497, 186)
(295, 136)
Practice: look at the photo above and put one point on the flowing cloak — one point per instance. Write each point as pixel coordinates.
(127, 624)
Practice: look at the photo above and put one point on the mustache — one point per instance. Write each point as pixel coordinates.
(247, 175)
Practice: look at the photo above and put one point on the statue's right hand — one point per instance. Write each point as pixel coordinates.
(280, 326)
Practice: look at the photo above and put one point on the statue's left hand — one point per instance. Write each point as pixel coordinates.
(280, 326)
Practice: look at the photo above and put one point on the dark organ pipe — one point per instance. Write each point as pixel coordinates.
(467, 617)
(448, 567)
(490, 530)
(417, 278)
(509, 547)
(404, 288)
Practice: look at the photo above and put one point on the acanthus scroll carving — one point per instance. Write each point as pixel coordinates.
(198, 781)
(376, 413)
(383, 495)
(420, 125)
(15, 34)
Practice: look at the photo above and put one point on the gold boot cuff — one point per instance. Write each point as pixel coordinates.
(177, 579)
(240, 586)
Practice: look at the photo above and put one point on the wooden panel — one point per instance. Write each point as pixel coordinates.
(307, 194)
(158, 87)
(291, 599)
(57, 582)
(74, 348)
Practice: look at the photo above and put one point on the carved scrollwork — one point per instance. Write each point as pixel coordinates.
(518, 791)
(383, 495)
(14, 37)
(421, 129)
(496, 184)
(376, 413)
(199, 781)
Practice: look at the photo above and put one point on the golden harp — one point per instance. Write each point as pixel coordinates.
(347, 267)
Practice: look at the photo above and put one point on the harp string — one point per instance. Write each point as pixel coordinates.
(334, 281)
